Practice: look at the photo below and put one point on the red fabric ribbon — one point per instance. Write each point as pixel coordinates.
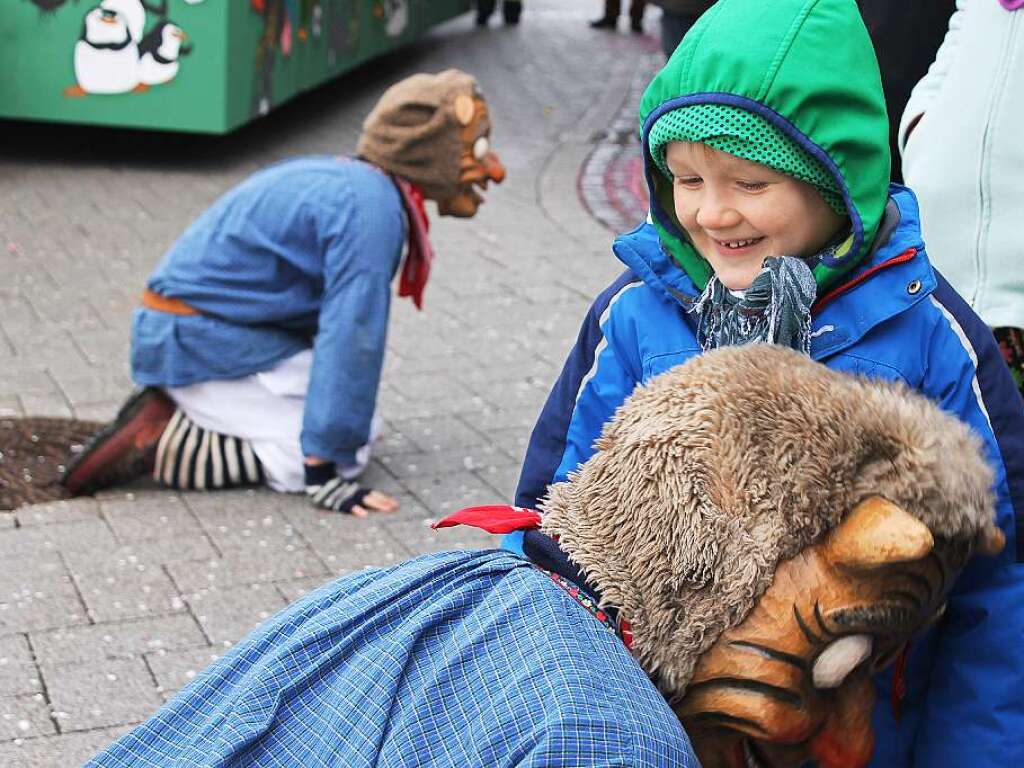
(493, 518)
(420, 254)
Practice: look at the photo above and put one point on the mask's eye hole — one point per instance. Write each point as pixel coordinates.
(839, 659)
(481, 147)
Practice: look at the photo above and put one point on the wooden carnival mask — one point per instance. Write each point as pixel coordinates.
(478, 165)
(793, 682)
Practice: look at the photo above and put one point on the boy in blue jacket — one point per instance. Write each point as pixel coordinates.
(261, 333)
(765, 143)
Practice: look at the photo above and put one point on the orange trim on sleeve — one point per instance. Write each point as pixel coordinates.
(155, 301)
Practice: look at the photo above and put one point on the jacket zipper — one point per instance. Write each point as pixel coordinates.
(984, 193)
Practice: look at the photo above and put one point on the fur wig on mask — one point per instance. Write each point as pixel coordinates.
(413, 131)
(718, 470)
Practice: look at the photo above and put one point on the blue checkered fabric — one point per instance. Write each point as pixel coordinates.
(451, 659)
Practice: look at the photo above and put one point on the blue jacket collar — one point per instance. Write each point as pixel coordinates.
(878, 290)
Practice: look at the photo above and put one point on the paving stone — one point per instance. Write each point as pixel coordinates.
(92, 536)
(251, 532)
(18, 673)
(225, 572)
(116, 640)
(174, 670)
(522, 419)
(124, 590)
(377, 476)
(439, 433)
(70, 511)
(100, 694)
(91, 385)
(502, 479)
(100, 412)
(393, 442)
(226, 615)
(7, 520)
(24, 716)
(293, 590)
(150, 515)
(10, 406)
(36, 592)
(417, 537)
(448, 493)
(347, 543)
(152, 551)
(56, 751)
(473, 457)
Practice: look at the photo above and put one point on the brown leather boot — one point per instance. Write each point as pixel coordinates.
(123, 450)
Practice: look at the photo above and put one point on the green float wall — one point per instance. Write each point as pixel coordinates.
(217, 87)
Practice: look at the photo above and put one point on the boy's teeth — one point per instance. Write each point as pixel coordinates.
(738, 243)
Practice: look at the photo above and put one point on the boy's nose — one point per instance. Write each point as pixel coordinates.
(716, 215)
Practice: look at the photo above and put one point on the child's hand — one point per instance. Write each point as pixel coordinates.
(329, 491)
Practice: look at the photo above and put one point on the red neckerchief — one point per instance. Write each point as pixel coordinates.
(503, 518)
(416, 267)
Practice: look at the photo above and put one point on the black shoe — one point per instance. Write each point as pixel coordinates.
(481, 20)
(605, 22)
(512, 12)
(636, 25)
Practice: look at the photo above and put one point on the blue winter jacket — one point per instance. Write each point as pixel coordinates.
(899, 320)
(299, 255)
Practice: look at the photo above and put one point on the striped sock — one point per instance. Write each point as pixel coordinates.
(191, 458)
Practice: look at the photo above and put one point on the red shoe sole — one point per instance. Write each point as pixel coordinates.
(135, 430)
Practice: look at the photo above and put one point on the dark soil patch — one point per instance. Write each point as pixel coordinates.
(33, 453)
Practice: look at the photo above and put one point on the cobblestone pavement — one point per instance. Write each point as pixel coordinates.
(109, 605)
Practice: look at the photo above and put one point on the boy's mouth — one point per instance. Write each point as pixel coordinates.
(736, 247)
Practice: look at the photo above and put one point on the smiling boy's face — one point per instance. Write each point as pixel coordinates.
(737, 212)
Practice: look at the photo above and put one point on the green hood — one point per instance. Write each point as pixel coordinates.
(809, 68)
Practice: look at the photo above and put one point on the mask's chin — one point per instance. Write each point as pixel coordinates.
(462, 206)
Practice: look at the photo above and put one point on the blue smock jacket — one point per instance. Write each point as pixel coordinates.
(899, 320)
(458, 659)
(300, 254)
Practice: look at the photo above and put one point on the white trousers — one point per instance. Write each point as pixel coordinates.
(265, 409)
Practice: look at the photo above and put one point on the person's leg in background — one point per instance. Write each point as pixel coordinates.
(512, 10)
(674, 27)
(612, 8)
(636, 15)
(484, 9)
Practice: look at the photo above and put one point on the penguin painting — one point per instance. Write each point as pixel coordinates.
(159, 52)
(394, 14)
(106, 55)
(132, 11)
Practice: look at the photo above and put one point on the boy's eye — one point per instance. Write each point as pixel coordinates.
(753, 186)
(688, 181)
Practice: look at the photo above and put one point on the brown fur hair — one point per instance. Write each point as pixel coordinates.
(413, 131)
(716, 471)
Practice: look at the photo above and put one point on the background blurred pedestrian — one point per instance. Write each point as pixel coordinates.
(963, 156)
(612, 8)
(906, 36)
(677, 16)
(510, 9)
